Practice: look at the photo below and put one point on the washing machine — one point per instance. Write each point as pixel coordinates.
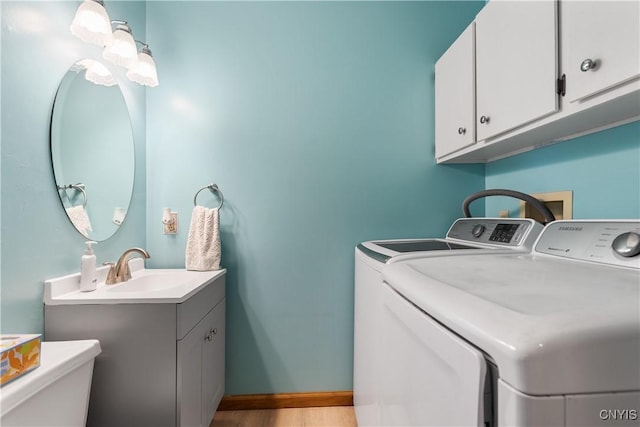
(466, 236)
(546, 338)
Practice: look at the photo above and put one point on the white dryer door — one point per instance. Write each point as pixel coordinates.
(431, 377)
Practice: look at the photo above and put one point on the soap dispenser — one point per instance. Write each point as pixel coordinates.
(88, 279)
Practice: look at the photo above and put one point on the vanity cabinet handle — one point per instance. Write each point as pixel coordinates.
(212, 332)
(588, 64)
(462, 131)
(484, 120)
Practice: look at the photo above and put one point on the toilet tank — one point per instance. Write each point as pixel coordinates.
(56, 393)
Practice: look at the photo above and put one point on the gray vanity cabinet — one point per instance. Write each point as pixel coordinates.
(200, 369)
(162, 364)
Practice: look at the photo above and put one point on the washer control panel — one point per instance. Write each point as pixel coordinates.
(505, 233)
(496, 231)
(607, 242)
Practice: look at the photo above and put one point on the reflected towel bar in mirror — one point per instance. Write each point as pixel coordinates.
(78, 187)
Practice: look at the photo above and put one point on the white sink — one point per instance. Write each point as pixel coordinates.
(152, 281)
(145, 286)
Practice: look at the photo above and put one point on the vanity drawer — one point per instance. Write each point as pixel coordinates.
(190, 312)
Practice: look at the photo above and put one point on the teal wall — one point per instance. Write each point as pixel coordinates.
(316, 121)
(602, 170)
(37, 240)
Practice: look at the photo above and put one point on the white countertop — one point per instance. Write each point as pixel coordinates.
(175, 286)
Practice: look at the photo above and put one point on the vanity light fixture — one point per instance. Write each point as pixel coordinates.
(144, 72)
(91, 23)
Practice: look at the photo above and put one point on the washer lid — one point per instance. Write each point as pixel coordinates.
(389, 251)
(423, 245)
(552, 326)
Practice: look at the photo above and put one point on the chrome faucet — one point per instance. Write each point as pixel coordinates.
(120, 272)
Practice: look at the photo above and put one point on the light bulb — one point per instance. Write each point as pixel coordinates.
(121, 49)
(97, 73)
(91, 23)
(145, 72)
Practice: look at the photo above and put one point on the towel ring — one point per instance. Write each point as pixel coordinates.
(78, 187)
(214, 189)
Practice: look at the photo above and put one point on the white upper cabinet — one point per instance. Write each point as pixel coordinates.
(545, 71)
(455, 94)
(516, 64)
(600, 42)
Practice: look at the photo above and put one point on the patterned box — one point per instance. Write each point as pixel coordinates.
(20, 354)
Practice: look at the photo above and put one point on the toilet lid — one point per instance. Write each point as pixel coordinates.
(57, 358)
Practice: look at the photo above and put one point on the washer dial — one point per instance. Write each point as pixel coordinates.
(478, 230)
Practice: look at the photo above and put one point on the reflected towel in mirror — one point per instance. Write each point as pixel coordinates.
(118, 216)
(203, 243)
(80, 219)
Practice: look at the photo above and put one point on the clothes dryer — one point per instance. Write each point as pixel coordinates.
(550, 338)
(466, 236)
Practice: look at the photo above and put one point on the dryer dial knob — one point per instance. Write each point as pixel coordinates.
(478, 230)
(627, 244)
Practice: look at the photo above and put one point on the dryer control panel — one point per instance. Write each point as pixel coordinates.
(606, 242)
(510, 232)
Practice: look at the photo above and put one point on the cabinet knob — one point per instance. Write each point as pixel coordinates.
(588, 64)
(462, 131)
(484, 120)
(212, 332)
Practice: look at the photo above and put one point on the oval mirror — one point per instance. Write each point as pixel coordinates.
(92, 150)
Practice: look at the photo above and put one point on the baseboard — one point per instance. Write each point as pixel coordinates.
(285, 400)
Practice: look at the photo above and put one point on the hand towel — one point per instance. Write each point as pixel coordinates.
(80, 219)
(203, 242)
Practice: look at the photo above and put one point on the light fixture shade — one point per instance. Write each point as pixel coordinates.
(91, 23)
(97, 73)
(121, 49)
(145, 73)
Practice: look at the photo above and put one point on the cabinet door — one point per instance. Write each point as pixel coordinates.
(607, 32)
(213, 362)
(201, 369)
(455, 95)
(516, 64)
(189, 381)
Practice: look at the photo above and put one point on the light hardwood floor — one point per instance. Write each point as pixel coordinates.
(332, 416)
